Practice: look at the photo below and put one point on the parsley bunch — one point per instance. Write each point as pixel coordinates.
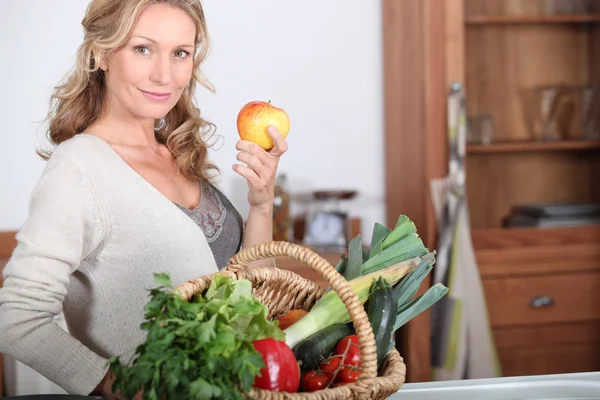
(198, 349)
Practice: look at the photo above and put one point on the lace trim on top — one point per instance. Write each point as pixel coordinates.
(213, 213)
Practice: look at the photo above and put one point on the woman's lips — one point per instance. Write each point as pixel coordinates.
(155, 95)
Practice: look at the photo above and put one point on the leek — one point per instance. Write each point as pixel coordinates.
(380, 232)
(415, 307)
(341, 266)
(409, 286)
(403, 228)
(355, 258)
(330, 309)
(404, 249)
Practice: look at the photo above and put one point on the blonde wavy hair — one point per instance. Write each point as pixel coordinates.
(78, 102)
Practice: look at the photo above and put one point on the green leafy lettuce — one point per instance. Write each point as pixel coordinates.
(197, 349)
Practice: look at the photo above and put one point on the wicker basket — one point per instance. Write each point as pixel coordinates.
(282, 290)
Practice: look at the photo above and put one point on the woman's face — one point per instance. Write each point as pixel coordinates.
(146, 76)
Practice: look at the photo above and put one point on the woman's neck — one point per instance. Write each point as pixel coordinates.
(118, 131)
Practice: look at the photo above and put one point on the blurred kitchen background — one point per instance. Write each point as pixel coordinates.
(394, 105)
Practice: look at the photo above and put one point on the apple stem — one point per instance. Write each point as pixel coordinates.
(269, 101)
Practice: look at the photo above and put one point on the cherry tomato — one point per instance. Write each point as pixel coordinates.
(331, 365)
(349, 347)
(348, 374)
(314, 380)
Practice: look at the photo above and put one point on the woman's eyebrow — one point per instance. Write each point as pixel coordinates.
(154, 41)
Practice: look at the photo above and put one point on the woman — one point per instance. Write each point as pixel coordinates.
(109, 211)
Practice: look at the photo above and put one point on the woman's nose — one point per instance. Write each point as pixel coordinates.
(161, 71)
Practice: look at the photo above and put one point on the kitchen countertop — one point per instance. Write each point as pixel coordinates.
(558, 386)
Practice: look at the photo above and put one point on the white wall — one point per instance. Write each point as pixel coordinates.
(319, 60)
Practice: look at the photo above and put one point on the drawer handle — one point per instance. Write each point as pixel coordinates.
(541, 301)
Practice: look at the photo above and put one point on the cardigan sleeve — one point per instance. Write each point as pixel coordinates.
(64, 226)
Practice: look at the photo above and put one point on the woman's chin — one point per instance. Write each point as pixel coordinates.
(153, 113)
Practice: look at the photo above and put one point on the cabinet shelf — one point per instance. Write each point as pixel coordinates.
(531, 146)
(543, 19)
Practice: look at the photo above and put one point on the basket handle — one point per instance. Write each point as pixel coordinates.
(362, 326)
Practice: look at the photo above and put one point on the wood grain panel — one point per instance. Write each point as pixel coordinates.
(558, 359)
(595, 79)
(415, 126)
(497, 182)
(505, 64)
(528, 7)
(504, 7)
(543, 19)
(516, 238)
(403, 38)
(8, 242)
(539, 260)
(547, 334)
(527, 251)
(403, 20)
(549, 348)
(527, 146)
(575, 298)
(7, 245)
(455, 42)
(594, 50)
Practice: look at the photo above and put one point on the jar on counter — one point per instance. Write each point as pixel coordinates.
(281, 210)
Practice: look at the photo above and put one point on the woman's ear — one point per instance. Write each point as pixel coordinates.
(103, 64)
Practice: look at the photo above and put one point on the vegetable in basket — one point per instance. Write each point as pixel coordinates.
(290, 318)
(382, 309)
(201, 348)
(341, 367)
(281, 372)
(385, 278)
(311, 350)
(330, 309)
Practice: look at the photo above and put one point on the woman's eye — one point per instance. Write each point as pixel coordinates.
(181, 54)
(142, 50)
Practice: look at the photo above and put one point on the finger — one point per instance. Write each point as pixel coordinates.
(280, 145)
(252, 162)
(253, 179)
(255, 150)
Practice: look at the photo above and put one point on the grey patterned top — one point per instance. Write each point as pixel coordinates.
(221, 223)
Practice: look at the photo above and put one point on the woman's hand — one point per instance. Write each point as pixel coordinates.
(104, 388)
(260, 169)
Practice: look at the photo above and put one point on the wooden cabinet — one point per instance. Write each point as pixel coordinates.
(7, 244)
(541, 284)
(542, 288)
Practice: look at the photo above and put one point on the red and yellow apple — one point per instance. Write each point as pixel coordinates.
(254, 119)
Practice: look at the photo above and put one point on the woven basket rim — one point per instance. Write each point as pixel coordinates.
(378, 386)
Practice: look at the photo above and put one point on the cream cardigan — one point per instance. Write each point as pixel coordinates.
(96, 233)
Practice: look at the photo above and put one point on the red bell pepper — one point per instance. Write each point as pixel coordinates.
(281, 372)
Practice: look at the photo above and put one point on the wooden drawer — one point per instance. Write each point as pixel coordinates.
(543, 298)
(549, 349)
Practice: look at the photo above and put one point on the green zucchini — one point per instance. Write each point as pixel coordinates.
(312, 350)
(382, 308)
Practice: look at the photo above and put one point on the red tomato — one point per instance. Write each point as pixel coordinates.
(348, 374)
(331, 365)
(314, 380)
(281, 372)
(349, 348)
